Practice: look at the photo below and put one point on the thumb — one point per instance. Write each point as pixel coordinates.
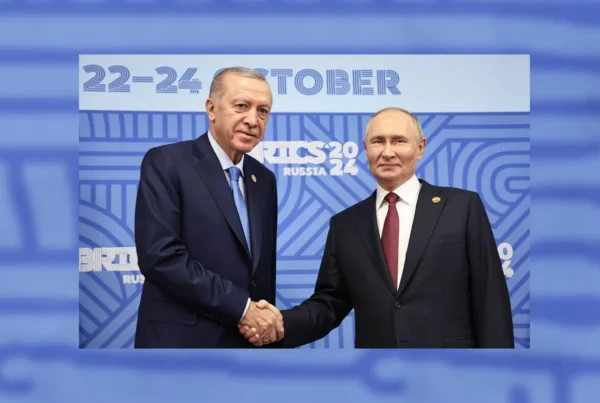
(271, 308)
(262, 304)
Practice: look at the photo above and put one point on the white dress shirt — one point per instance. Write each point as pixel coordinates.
(227, 163)
(406, 206)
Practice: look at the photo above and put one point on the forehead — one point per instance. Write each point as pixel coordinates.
(391, 123)
(248, 88)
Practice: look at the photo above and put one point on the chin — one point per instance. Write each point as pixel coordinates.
(245, 147)
(389, 175)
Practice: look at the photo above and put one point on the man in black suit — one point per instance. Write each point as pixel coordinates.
(206, 225)
(417, 262)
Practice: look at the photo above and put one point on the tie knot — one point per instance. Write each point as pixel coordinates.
(234, 173)
(391, 198)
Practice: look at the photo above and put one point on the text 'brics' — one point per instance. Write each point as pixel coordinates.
(333, 82)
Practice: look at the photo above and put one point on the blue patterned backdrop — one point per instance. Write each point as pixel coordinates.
(488, 153)
(39, 198)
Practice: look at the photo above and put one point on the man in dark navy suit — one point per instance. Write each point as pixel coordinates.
(418, 263)
(206, 225)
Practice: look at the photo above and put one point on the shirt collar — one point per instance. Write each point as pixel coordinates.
(224, 159)
(408, 192)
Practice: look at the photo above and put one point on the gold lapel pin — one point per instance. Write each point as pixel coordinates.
(436, 199)
(253, 178)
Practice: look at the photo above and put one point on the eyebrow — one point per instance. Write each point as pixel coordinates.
(394, 136)
(248, 101)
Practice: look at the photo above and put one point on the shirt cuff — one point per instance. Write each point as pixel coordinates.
(245, 310)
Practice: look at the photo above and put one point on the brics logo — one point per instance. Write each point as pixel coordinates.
(111, 260)
(316, 158)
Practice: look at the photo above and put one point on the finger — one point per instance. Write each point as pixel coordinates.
(275, 311)
(251, 333)
(272, 335)
(269, 317)
(244, 330)
(277, 314)
(279, 323)
(266, 337)
(280, 330)
(258, 337)
(271, 308)
(263, 324)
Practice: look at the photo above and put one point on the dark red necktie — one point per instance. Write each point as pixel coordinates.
(390, 237)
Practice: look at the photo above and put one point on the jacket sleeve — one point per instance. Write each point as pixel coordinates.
(162, 256)
(330, 303)
(492, 313)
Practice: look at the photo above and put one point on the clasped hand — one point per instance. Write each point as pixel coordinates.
(262, 324)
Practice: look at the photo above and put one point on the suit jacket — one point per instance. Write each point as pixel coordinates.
(452, 291)
(192, 251)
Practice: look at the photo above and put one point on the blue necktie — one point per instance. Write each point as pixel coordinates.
(240, 203)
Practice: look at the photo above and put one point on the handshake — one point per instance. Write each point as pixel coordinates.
(262, 324)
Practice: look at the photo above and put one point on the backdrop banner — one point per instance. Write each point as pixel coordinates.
(474, 110)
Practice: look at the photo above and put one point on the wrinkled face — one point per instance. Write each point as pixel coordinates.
(239, 113)
(392, 148)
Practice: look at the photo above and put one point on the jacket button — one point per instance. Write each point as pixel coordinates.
(253, 284)
(397, 304)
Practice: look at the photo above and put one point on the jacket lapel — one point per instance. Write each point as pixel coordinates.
(209, 169)
(369, 233)
(254, 202)
(426, 217)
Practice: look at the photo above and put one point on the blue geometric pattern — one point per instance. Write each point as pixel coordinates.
(488, 153)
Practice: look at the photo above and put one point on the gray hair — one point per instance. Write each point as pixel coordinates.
(217, 87)
(417, 124)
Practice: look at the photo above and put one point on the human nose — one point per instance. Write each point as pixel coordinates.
(388, 151)
(251, 118)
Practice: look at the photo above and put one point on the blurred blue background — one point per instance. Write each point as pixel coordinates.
(39, 47)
